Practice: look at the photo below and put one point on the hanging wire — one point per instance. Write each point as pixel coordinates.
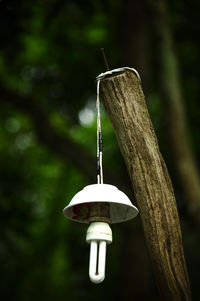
(99, 134)
(99, 140)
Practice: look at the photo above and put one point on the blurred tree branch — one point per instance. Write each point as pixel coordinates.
(63, 146)
(135, 39)
(171, 92)
(47, 135)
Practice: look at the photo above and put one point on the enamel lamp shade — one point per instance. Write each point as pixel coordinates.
(120, 207)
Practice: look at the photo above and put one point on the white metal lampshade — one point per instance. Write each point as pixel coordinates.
(120, 207)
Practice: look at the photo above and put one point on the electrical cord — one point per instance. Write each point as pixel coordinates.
(99, 133)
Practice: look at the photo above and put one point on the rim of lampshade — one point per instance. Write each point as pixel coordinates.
(119, 212)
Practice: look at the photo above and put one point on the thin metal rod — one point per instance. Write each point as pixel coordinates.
(105, 59)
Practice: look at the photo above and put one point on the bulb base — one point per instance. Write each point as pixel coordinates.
(99, 231)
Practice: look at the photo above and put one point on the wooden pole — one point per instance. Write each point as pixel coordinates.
(125, 104)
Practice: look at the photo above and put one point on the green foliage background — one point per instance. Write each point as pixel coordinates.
(50, 53)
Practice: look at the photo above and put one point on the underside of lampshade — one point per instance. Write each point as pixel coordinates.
(120, 207)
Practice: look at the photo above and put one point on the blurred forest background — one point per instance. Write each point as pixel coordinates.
(49, 58)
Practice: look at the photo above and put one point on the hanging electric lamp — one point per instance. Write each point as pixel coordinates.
(100, 205)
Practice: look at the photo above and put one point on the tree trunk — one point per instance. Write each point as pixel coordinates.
(124, 101)
(177, 126)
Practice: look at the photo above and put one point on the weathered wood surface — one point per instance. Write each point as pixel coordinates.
(125, 104)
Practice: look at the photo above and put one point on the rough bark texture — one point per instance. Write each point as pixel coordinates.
(124, 101)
